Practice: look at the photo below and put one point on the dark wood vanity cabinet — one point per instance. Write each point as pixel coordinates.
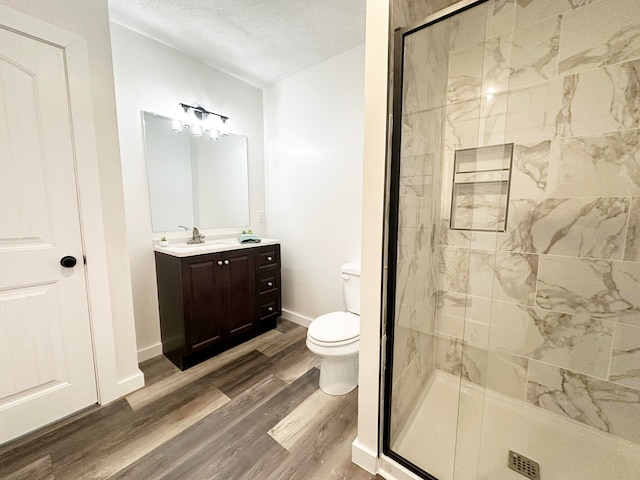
(268, 283)
(211, 302)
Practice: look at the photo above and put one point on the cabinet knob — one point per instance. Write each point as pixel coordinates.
(269, 259)
(270, 309)
(226, 262)
(219, 262)
(269, 284)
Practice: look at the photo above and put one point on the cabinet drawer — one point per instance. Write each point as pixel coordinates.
(268, 282)
(268, 258)
(269, 307)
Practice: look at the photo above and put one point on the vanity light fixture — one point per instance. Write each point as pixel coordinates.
(197, 119)
(201, 114)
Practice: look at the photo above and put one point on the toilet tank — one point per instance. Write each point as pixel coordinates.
(351, 286)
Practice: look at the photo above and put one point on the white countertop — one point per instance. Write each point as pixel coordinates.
(184, 249)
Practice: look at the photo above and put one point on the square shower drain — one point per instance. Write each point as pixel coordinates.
(524, 466)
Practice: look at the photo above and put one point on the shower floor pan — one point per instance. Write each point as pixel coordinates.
(565, 450)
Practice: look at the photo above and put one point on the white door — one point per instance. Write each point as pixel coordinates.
(46, 355)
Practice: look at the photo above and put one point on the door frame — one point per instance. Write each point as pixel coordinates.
(75, 52)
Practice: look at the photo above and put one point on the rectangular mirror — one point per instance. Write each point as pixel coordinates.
(195, 180)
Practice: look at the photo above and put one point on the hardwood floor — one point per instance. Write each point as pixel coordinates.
(252, 412)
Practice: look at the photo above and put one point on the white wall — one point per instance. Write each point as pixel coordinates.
(154, 77)
(314, 139)
(90, 21)
(366, 445)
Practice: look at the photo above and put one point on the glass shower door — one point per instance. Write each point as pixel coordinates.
(513, 298)
(432, 320)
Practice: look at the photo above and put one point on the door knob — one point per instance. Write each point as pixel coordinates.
(68, 261)
(226, 262)
(219, 262)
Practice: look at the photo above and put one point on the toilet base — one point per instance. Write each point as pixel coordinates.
(338, 376)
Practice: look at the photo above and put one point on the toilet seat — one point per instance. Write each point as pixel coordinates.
(335, 329)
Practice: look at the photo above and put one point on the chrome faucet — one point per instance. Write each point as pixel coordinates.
(196, 236)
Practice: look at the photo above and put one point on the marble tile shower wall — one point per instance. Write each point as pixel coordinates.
(548, 311)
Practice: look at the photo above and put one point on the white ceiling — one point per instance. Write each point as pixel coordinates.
(260, 42)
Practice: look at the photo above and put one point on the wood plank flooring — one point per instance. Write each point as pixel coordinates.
(253, 412)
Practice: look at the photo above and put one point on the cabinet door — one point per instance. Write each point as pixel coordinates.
(239, 291)
(204, 301)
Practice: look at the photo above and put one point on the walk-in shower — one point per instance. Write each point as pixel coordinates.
(513, 291)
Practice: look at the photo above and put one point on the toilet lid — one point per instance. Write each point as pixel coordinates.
(335, 327)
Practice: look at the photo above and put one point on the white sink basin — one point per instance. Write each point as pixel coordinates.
(207, 244)
(185, 249)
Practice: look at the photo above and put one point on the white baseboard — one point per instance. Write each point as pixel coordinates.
(296, 318)
(363, 457)
(131, 384)
(149, 352)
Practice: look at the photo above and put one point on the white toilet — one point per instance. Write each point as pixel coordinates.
(335, 338)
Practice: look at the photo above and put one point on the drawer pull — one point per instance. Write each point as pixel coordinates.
(269, 284)
(270, 309)
(269, 259)
(219, 262)
(226, 262)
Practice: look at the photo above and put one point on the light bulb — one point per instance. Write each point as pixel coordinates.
(214, 134)
(490, 92)
(196, 130)
(176, 125)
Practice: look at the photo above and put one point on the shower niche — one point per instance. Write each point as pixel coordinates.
(480, 190)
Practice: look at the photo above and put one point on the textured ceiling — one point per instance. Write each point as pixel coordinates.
(261, 42)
